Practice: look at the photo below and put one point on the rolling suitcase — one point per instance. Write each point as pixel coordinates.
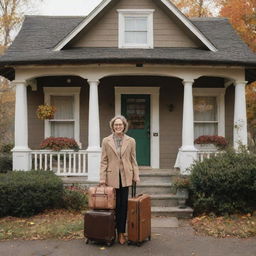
(139, 218)
(99, 226)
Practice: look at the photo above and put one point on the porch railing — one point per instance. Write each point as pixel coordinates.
(202, 155)
(62, 163)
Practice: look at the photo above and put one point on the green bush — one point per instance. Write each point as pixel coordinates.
(224, 184)
(24, 194)
(74, 199)
(5, 163)
(6, 148)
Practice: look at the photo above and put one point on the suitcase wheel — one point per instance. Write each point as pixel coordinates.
(87, 241)
(129, 242)
(149, 238)
(138, 244)
(109, 244)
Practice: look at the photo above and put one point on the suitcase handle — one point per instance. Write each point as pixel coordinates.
(133, 189)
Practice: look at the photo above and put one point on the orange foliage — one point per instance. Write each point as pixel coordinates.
(242, 16)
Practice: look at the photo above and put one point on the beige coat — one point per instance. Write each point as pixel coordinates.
(111, 162)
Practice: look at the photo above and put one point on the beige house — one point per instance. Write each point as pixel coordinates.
(174, 78)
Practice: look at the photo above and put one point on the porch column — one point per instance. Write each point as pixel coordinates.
(21, 151)
(93, 149)
(187, 153)
(240, 118)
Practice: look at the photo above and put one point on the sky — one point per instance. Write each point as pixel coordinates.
(65, 7)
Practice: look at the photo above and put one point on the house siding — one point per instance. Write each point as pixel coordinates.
(171, 92)
(104, 33)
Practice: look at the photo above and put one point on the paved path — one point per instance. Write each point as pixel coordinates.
(179, 241)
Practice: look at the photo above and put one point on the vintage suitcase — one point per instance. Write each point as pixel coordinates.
(102, 197)
(139, 218)
(99, 226)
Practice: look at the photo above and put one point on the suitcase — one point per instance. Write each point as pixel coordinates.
(99, 226)
(139, 218)
(102, 197)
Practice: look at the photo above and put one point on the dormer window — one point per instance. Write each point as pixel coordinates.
(135, 28)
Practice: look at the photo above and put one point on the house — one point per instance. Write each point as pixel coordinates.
(174, 78)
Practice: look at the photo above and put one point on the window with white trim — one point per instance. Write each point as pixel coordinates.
(135, 28)
(66, 122)
(209, 111)
(63, 124)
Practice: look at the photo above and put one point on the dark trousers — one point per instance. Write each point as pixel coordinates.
(121, 207)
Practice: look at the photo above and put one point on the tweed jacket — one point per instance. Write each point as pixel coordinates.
(111, 162)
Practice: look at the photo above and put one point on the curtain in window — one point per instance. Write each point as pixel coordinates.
(135, 30)
(65, 111)
(205, 116)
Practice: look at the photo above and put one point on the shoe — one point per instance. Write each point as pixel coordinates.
(122, 239)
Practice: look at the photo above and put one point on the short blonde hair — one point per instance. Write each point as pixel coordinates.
(123, 119)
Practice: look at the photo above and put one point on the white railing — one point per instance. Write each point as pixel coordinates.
(202, 155)
(62, 163)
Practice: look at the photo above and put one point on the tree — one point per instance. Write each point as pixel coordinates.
(197, 8)
(242, 15)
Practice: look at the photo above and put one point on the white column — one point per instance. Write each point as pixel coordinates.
(21, 151)
(240, 117)
(93, 149)
(187, 153)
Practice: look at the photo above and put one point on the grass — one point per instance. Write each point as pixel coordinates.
(54, 224)
(240, 226)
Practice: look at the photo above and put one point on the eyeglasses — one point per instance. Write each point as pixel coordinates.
(118, 124)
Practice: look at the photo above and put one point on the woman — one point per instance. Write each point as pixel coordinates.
(119, 168)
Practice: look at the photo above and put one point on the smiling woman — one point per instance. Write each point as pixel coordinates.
(60, 7)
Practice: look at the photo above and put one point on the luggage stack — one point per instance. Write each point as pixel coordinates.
(99, 221)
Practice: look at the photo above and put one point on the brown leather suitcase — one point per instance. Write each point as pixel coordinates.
(139, 218)
(99, 226)
(102, 197)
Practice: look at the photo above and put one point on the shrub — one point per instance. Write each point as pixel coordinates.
(5, 163)
(219, 141)
(59, 143)
(181, 182)
(74, 199)
(224, 184)
(24, 194)
(6, 148)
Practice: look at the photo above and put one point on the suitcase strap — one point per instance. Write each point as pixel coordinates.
(133, 189)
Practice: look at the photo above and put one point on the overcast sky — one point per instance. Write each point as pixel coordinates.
(66, 7)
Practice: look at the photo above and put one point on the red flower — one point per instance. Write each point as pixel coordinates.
(59, 143)
(218, 141)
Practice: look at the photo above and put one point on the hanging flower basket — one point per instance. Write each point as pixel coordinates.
(45, 112)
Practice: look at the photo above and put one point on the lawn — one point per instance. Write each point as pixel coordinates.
(66, 225)
(54, 224)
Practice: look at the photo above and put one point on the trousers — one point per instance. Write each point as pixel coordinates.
(121, 207)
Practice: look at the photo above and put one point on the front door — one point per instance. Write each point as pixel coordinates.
(136, 108)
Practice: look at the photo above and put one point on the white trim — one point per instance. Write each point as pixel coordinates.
(148, 13)
(189, 25)
(219, 93)
(154, 117)
(64, 91)
(81, 25)
(167, 3)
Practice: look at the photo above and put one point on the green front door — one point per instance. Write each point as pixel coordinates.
(136, 108)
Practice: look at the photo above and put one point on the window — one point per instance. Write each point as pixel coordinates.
(66, 120)
(209, 111)
(63, 124)
(205, 116)
(135, 28)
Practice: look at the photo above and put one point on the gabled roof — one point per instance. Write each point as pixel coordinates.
(171, 8)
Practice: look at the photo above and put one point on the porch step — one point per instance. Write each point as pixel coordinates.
(185, 213)
(154, 188)
(164, 200)
(158, 175)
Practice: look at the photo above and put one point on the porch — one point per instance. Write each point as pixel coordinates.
(97, 94)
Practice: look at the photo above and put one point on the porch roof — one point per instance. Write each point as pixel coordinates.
(40, 34)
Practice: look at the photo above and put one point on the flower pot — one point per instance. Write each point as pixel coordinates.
(183, 196)
(206, 147)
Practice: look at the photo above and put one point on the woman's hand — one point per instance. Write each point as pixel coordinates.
(137, 179)
(102, 183)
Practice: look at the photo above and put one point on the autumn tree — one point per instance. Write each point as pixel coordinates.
(242, 15)
(197, 8)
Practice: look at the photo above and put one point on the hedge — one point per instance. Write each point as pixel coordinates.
(24, 194)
